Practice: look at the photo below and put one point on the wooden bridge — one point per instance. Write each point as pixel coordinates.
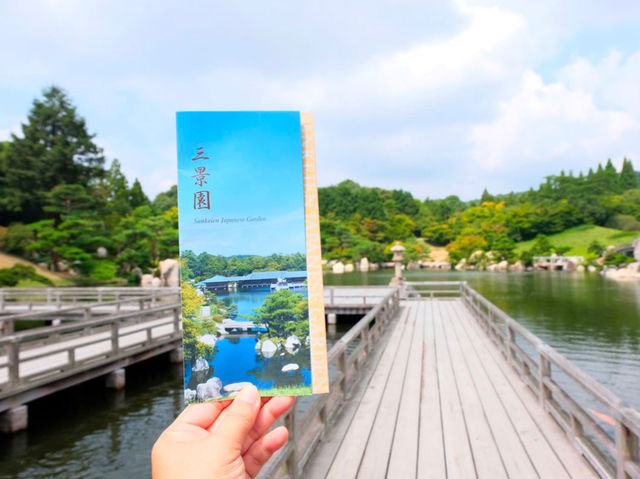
(95, 332)
(443, 384)
(434, 381)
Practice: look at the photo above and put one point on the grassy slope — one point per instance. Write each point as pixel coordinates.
(438, 253)
(7, 261)
(580, 237)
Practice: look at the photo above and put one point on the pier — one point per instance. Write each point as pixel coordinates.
(433, 381)
(443, 384)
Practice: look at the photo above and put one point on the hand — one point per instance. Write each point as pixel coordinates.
(221, 440)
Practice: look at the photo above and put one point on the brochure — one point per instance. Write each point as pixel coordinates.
(251, 273)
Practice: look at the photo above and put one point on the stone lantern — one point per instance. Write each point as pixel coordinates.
(397, 250)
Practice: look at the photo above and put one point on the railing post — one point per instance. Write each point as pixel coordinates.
(71, 357)
(7, 327)
(292, 460)
(13, 355)
(176, 320)
(626, 444)
(544, 372)
(342, 367)
(114, 336)
(511, 339)
(331, 296)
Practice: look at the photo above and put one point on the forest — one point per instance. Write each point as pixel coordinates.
(358, 221)
(62, 207)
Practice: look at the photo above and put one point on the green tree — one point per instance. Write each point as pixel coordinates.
(136, 195)
(628, 178)
(284, 312)
(67, 199)
(54, 148)
(166, 200)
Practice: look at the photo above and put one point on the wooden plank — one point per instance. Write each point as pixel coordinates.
(404, 452)
(324, 455)
(458, 453)
(514, 456)
(550, 451)
(375, 459)
(431, 458)
(347, 458)
(488, 462)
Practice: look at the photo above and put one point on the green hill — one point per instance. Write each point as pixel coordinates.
(580, 237)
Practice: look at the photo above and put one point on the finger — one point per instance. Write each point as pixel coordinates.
(261, 450)
(268, 414)
(238, 418)
(263, 401)
(202, 414)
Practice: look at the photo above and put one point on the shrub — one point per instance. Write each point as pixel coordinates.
(624, 222)
(103, 270)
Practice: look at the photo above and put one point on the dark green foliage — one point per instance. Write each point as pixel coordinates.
(16, 238)
(617, 259)
(203, 266)
(595, 248)
(628, 178)
(53, 179)
(356, 219)
(285, 313)
(166, 200)
(18, 272)
(624, 222)
(137, 196)
(55, 148)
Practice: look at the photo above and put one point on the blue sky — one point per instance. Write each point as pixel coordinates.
(254, 168)
(433, 97)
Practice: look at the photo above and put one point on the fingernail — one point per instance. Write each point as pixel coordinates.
(249, 394)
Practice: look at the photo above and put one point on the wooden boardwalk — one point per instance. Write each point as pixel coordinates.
(440, 401)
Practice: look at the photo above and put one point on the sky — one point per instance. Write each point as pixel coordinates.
(240, 187)
(433, 97)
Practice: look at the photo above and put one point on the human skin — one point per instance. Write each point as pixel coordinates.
(221, 440)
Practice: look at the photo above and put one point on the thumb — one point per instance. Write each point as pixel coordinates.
(236, 420)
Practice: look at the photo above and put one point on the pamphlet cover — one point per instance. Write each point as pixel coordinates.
(251, 274)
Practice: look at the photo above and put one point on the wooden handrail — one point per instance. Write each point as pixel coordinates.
(110, 329)
(613, 454)
(344, 362)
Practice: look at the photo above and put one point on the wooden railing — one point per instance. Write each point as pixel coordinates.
(435, 289)
(337, 296)
(62, 295)
(72, 348)
(614, 453)
(85, 310)
(346, 359)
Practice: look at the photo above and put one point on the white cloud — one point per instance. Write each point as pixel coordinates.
(5, 133)
(555, 125)
(434, 97)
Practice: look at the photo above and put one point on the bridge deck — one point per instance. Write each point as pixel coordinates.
(439, 401)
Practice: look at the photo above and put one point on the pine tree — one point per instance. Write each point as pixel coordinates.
(54, 148)
(628, 178)
(137, 196)
(611, 182)
(486, 196)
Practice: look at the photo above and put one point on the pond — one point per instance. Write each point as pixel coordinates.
(85, 432)
(235, 358)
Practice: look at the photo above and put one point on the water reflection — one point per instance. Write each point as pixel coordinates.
(593, 321)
